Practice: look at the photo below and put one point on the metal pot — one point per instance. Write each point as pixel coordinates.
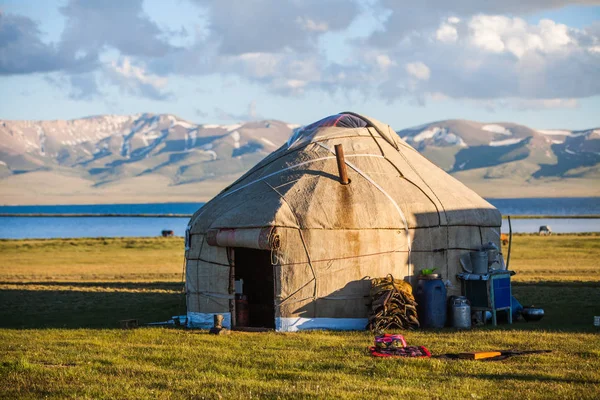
(531, 313)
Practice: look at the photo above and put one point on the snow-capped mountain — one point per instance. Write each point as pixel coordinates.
(160, 157)
(107, 148)
(507, 150)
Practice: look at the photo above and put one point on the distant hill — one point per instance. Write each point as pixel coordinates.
(511, 160)
(155, 158)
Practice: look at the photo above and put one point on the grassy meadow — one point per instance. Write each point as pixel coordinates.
(61, 302)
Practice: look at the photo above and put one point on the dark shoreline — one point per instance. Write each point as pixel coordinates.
(43, 215)
(48, 215)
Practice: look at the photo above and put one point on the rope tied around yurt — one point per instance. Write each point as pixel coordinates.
(393, 305)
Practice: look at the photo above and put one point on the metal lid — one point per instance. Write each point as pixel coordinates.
(460, 300)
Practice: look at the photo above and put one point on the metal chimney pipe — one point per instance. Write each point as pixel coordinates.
(339, 155)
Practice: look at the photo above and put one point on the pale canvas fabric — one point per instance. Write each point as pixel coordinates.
(399, 214)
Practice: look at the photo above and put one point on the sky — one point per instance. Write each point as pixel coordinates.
(534, 62)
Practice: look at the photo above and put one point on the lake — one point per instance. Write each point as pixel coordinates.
(70, 227)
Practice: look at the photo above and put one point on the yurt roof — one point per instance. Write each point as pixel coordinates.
(392, 185)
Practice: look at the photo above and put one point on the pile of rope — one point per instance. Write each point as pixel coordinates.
(393, 305)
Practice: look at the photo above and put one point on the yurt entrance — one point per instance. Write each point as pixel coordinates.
(255, 305)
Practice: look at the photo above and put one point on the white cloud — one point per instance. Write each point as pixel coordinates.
(295, 83)
(312, 25)
(485, 32)
(554, 36)
(384, 62)
(539, 104)
(439, 50)
(138, 74)
(437, 96)
(447, 33)
(498, 34)
(494, 57)
(405, 17)
(135, 80)
(259, 65)
(418, 70)
(283, 73)
(521, 104)
(272, 26)
(594, 49)
(288, 87)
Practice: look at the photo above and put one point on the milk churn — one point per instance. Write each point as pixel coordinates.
(461, 313)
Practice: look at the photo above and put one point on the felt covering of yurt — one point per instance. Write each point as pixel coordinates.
(399, 214)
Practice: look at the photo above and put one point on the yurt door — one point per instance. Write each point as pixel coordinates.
(254, 268)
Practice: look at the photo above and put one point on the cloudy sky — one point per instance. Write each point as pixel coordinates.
(535, 62)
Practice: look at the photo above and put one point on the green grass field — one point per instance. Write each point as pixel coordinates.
(61, 302)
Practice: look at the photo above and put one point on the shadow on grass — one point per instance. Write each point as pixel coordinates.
(527, 378)
(172, 286)
(41, 308)
(558, 284)
(568, 306)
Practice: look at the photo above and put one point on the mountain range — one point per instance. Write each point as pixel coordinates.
(148, 158)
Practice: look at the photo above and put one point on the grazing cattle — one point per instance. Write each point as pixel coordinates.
(167, 233)
(545, 230)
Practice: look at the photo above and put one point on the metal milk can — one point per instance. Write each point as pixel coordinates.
(461, 313)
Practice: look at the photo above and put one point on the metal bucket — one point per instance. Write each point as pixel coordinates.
(461, 313)
(479, 262)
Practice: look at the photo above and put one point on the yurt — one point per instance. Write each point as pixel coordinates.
(300, 245)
